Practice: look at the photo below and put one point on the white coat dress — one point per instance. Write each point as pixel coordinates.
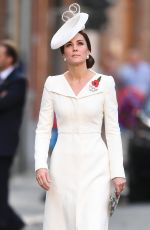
(81, 165)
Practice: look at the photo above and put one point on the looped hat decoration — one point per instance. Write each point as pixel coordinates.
(74, 21)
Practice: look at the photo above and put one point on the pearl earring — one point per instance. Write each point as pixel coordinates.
(87, 57)
(64, 59)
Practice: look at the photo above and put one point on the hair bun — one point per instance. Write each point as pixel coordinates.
(90, 62)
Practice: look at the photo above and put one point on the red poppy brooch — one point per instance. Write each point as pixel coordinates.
(94, 84)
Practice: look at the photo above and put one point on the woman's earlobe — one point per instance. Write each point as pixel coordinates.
(88, 55)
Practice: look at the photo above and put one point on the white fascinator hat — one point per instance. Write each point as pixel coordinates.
(74, 22)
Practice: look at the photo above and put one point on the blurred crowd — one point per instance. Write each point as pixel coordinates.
(132, 79)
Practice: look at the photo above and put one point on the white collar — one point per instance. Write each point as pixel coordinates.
(58, 84)
(5, 73)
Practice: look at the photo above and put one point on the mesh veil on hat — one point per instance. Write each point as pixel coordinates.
(74, 22)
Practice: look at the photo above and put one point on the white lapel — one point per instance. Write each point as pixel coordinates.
(59, 85)
(56, 84)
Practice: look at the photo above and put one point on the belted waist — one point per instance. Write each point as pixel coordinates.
(78, 132)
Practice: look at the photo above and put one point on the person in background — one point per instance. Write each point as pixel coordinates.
(136, 73)
(12, 98)
(54, 135)
(135, 87)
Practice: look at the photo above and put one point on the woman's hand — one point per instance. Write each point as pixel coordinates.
(43, 178)
(119, 183)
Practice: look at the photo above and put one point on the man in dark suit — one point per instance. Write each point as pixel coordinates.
(12, 98)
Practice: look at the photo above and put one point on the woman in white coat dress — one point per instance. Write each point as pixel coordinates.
(81, 167)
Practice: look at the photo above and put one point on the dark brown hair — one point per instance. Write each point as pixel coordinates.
(10, 51)
(90, 61)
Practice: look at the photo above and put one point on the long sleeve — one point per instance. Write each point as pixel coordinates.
(112, 130)
(15, 95)
(43, 130)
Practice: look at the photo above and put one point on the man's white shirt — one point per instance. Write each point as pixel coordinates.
(5, 73)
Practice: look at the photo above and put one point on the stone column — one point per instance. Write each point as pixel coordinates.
(118, 36)
(142, 27)
(40, 58)
(3, 6)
